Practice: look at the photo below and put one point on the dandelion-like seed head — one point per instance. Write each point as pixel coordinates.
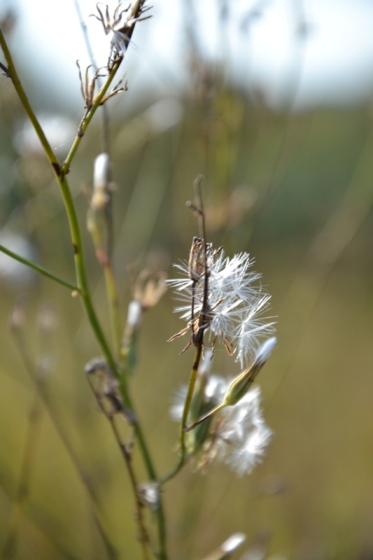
(221, 298)
(236, 303)
(237, 435)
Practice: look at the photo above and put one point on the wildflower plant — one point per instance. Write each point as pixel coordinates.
(221, 302)
(220, 298)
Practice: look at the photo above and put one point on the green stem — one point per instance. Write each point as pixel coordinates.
(94, 226)
(92, 317)
(188, 401)
(89, 115)
(83, 475)
(23, 486)
(197, 337)
(205, 417)
(79, 258)
(38, 268)
(135, 12)
(26, 104)
(111, 290)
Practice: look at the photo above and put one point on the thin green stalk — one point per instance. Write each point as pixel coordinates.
(23, 486)
(26, 104)
(38, 268)
(88, 117)
(94, 225)
(111, 290)
(205, 417)
(83, 475)
(135, 12)
(188, 401)
(144, 537)
(162, 554)
(78, 254)
(88, 306)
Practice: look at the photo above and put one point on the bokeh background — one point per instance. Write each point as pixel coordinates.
(287, 159)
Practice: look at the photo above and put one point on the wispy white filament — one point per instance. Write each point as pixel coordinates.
(240, 436)
(236, 303)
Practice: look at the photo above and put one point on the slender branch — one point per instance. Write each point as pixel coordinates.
(88, 306)
(83, 288)
(95, 226)
(144, 536)
(134, 13)
(36, 523)
(89, 115)
(205, 417)
(112, 295)
(197, 337)
(83, 475)
(26, 105)
(4, 70)
(38, 268)
(126, 454)
(27, 464)
(105, 114)
(184, 456)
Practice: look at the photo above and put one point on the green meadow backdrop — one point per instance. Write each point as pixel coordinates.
(293, 189)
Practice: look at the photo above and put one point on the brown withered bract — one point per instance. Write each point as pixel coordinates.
(196, 263)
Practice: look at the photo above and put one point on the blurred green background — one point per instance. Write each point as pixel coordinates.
(293, 189)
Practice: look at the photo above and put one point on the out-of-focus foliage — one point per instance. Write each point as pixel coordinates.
(295, 190)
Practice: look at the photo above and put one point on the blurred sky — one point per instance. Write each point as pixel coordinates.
(311, 52)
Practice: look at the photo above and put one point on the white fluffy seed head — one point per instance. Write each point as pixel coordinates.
(236, 303)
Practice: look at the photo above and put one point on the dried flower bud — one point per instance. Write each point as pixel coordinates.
(106, 388)
(196, 263)
(96, 365)
(149, 288)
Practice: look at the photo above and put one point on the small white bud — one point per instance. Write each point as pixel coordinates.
(241, 384)
(101, 177)
(101, 173)
(134, 314)
(265, 351)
